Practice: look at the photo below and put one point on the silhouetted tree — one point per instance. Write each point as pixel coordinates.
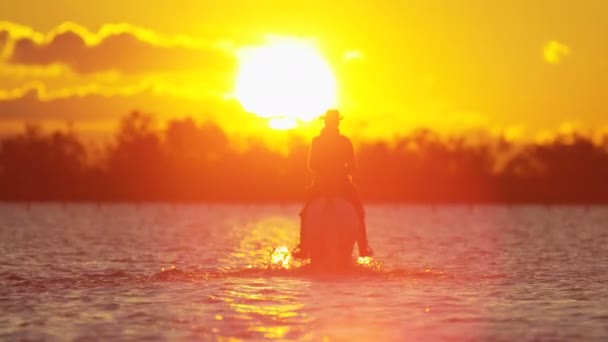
(36, 166)
(136, 163)
(188, 161)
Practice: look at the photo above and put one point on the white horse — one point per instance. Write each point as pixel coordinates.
(330, 227)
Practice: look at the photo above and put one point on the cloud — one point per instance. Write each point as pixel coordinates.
(43, 94)
(97, 103)
(352, 55)
(34, 103)
(554, 52)
(120, 47)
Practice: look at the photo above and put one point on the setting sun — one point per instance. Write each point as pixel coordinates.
(286, 81)
(399, 170)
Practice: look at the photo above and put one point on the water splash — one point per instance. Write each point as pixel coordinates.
(368, 262)
(280, 257)
(364, 260)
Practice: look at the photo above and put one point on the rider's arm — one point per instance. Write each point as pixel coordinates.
(351, 163)
(313, 160)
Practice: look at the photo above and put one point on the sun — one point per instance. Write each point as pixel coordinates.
(286, 81)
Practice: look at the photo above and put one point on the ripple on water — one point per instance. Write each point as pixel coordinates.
(203, 273)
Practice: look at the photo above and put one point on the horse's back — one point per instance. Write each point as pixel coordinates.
(331, 226)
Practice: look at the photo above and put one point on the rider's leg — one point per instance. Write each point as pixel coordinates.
(362, 244)
(301, 250)
(364, 249)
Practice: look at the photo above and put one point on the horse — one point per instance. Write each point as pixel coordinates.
(329, 230)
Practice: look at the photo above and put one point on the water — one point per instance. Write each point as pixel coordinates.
(200, 272)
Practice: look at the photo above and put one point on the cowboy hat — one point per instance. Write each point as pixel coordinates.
(332, 114)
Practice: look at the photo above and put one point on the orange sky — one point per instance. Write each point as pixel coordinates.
(524, 67)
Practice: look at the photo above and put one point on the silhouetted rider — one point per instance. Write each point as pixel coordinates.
(332, 161)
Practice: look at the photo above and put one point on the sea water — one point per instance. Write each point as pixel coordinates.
(206, 272)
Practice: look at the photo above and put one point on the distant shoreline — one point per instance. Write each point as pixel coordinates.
(188, 162)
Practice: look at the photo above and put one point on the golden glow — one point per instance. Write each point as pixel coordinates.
(92, 38)
(286, 80)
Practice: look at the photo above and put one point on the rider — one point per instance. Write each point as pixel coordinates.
(332, 162)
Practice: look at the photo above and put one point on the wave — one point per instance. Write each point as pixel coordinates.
(279, 265)
(173, 274)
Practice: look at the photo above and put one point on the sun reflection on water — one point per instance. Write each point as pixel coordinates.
(268, 312)
(272, 332)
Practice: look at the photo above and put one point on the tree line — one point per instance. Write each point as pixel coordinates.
(188, 161)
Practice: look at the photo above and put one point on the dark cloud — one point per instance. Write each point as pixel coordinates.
(123, 50)
(100, 106)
